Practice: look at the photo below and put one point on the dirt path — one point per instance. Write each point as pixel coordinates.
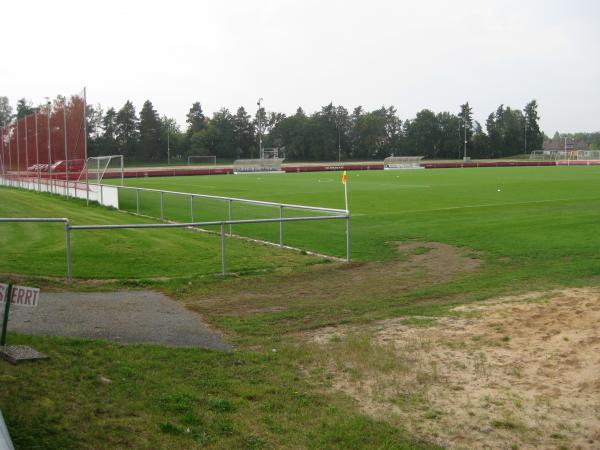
(517, 372)
(127, 316)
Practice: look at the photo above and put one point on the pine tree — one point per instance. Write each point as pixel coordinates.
(150, 134)
(244, 133)
(6, 111)
(535, 138)
(195, 119)
(126, 129)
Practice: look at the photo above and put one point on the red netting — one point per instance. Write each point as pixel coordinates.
(51, 141)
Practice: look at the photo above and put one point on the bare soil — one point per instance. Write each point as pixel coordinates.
(515, 372)
(417, 264)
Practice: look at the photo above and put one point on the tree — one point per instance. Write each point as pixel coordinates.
(218, 138)
(535, 137)
(244, 133)
(6, 111)
(94, 116)
(126, 129)
(24, 108)
(150, 134)
(195, 119)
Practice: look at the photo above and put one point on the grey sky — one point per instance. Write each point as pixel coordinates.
(410, 54)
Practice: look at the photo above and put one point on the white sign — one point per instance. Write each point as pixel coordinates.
(20, 295)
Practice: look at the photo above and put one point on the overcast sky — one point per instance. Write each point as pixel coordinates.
(410, 54)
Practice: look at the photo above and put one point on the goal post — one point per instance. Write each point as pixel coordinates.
(109, 166)
(202, 160)
(402, 162)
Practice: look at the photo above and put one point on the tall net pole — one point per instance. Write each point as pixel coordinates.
(64, 108)
(18, 157)
(49, 149)
(87, 170)
(2, 170)
(37, 153)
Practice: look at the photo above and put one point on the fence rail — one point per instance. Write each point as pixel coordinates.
(230, 201)
(108, 195)
(49, 220)
(69, 228)
(234, 199)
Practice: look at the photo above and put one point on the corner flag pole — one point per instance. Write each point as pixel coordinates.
(345, 183)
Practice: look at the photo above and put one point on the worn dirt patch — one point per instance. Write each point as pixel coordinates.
(442, 259)
(418, 264)
(516, 372)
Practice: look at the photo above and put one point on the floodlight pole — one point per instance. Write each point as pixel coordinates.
(169, 145)
(260, 150)
(339, 141)
(465, 148)
(525, 149)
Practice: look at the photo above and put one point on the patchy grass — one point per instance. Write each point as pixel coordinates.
(100, 395)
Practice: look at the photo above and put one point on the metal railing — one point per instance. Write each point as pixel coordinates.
(321, 214)
(330, 212)
(221, 224)
(49, 220)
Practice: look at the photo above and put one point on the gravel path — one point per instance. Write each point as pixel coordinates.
(125, 316)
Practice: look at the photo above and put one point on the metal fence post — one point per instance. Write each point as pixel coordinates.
(68, 242)
(348, 238)
(223, 259)
(162, 214)
(137, 201)
(281, 226)
(192, 206)
(229, 215)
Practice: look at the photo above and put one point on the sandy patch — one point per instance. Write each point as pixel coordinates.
(517, 372)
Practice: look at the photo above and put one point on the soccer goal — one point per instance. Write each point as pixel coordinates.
(271, 165)
(209, 160)
(402, 162)
(273, 153)
(588, 155)
(99, 167)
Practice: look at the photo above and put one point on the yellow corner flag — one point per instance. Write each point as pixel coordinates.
(344, 177)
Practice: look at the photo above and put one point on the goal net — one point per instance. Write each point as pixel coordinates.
(271, 165)
(99, 167)
(402, 162)
(588, 155)
(202, 160)
(274, 153)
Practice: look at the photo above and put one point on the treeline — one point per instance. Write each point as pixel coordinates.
(329, 134)
(592, 139)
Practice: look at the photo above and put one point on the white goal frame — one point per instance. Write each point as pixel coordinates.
(212, 160)
(100, 164)
(402, 162)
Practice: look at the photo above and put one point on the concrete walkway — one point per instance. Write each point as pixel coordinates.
(124, 316)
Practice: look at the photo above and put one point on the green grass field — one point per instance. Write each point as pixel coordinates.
(530, 228)
(543, 218)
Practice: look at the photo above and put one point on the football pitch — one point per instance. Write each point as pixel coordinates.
(539, 222)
